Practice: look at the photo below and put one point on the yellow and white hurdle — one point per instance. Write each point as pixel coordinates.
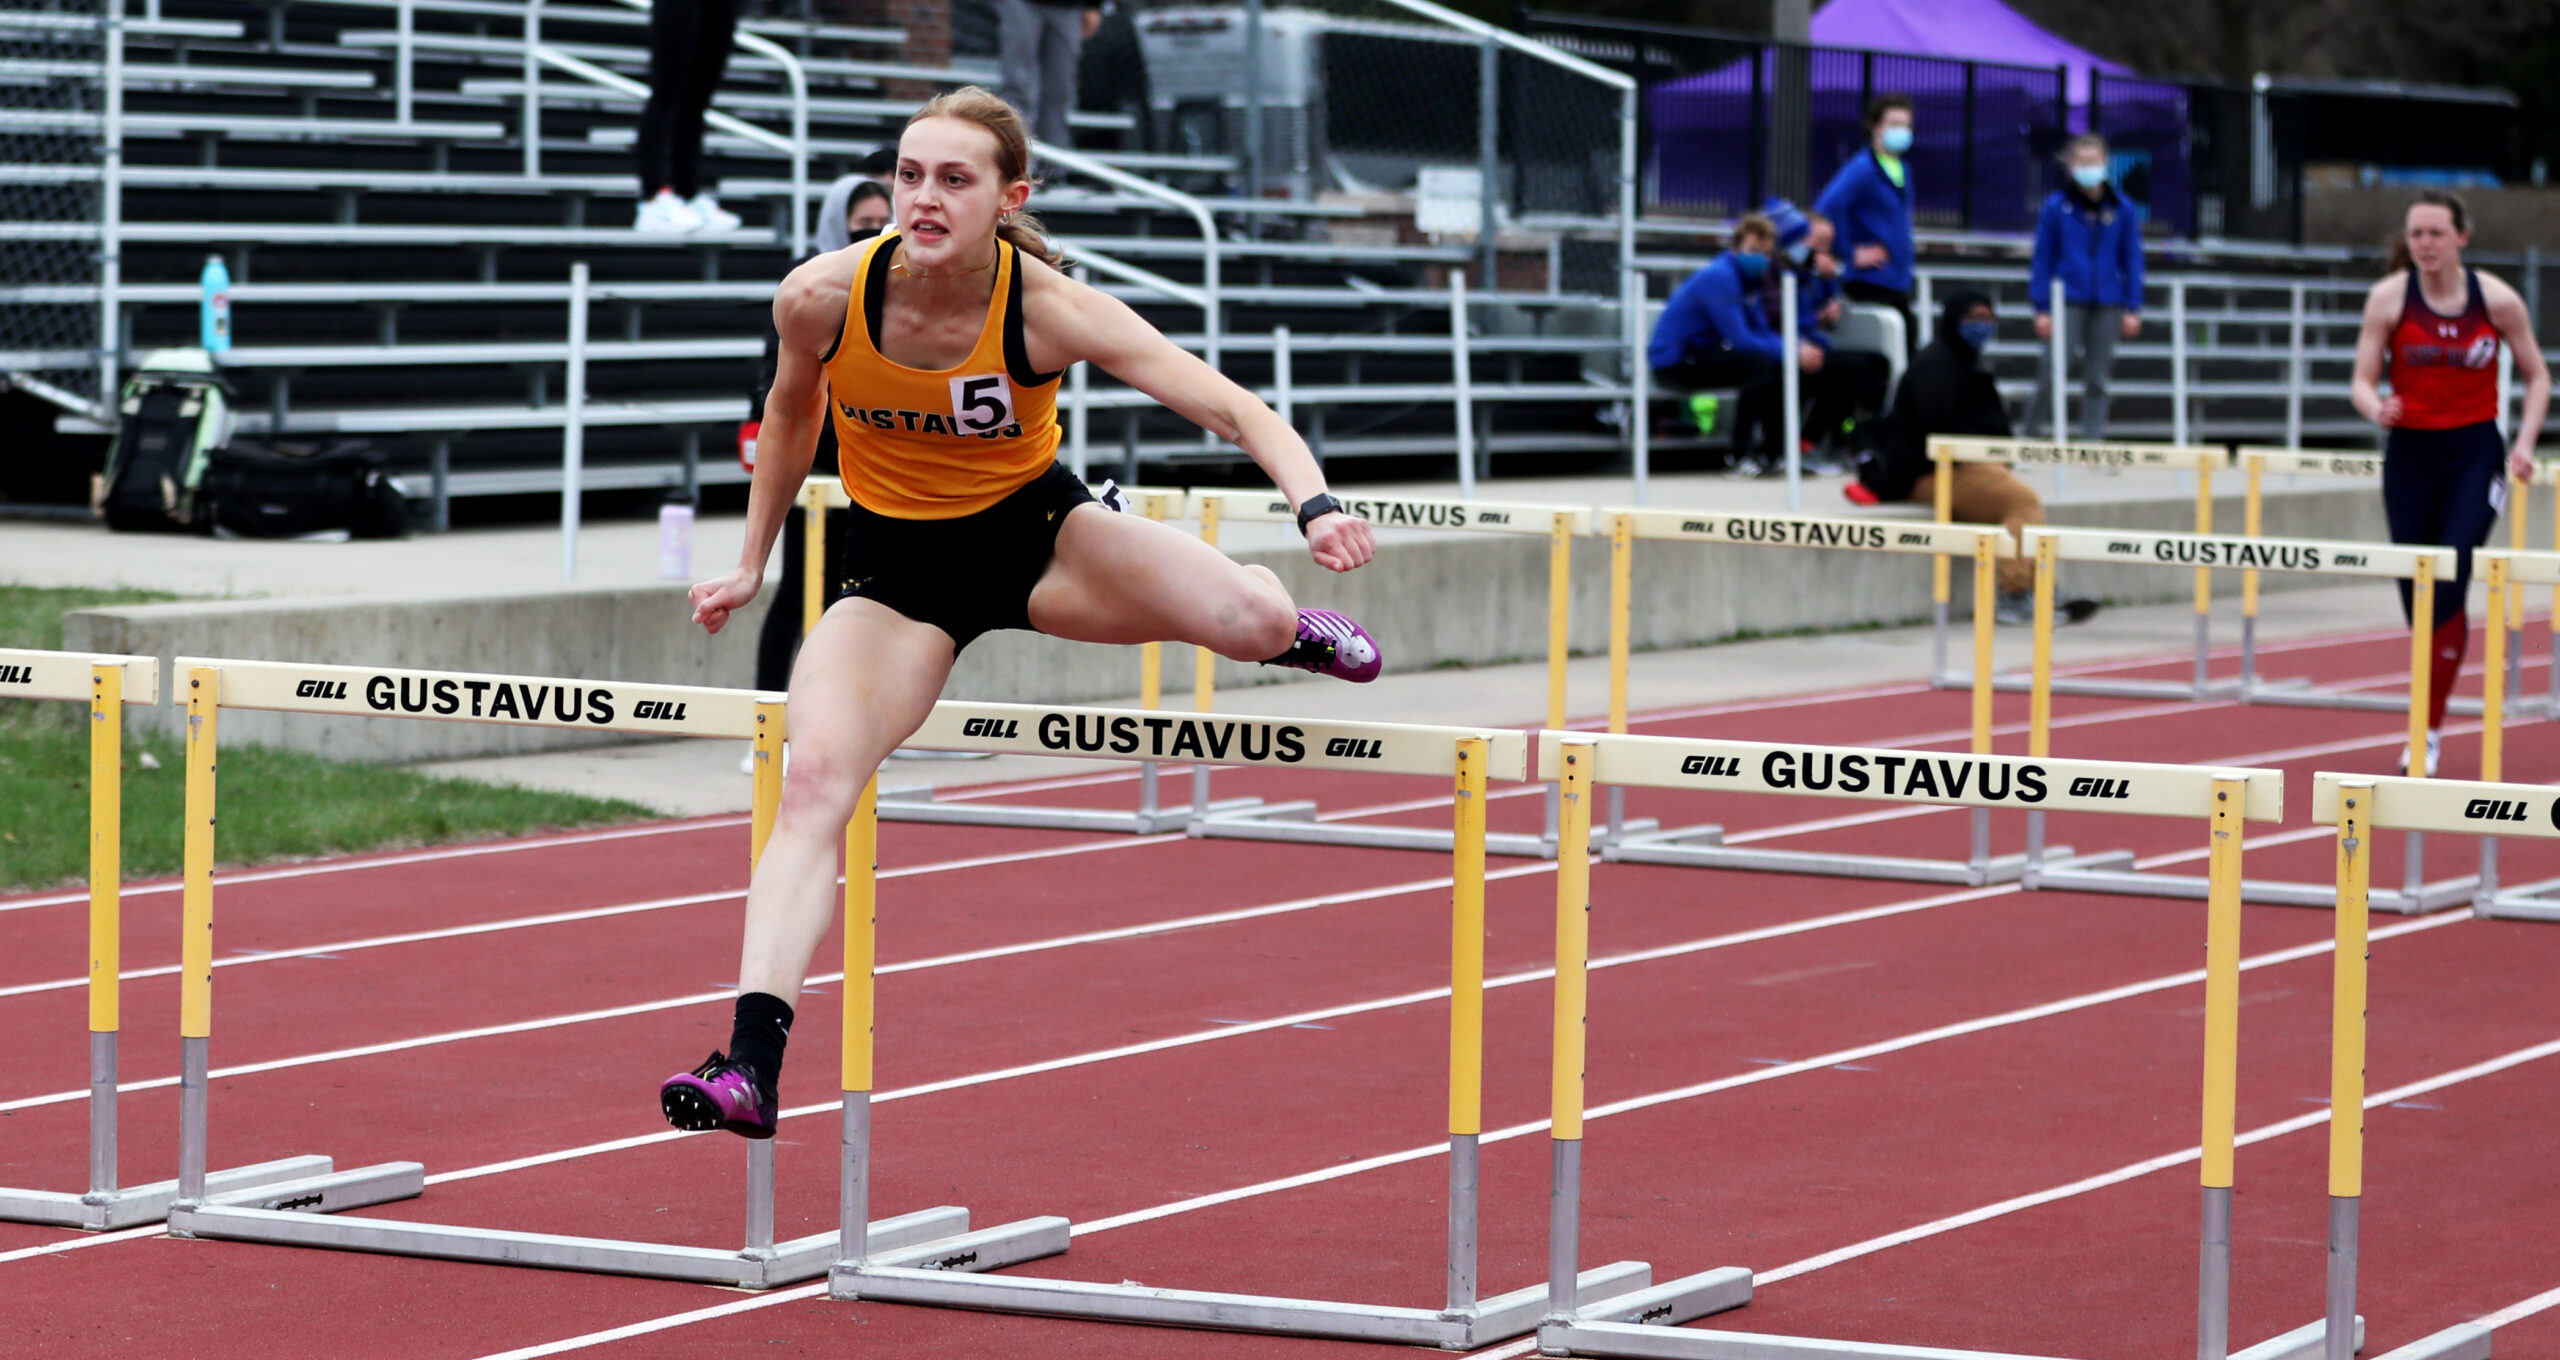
(107, 684)
(285, 1215)
(2198, 460)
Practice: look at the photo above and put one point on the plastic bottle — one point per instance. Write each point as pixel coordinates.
(214, 316)
(675, 539)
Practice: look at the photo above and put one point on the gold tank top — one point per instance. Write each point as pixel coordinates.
(914, 443)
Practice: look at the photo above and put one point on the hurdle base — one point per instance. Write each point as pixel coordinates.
(2464, 1341)
(918, 805)
(928, 1234)
(134, 1206)
(2113, 872)
(1626, 1284)
(1704, 846)
(2523, 902)
(1296, 822)
(2298, 692)
(2004, 682)
(2306, 1342)
(1580, 1335)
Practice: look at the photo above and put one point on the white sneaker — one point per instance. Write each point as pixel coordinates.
(664, 214)
(2435, 755)
(710, 216)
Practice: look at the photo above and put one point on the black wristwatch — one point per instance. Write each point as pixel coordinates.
(1321, 503)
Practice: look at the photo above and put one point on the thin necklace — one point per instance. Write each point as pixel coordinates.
(898, 266)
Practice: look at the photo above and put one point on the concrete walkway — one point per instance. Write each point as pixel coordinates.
(699, 777)
(515, 558)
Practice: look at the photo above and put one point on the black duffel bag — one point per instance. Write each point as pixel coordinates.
(293, 488)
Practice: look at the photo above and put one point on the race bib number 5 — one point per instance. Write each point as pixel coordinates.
(982, 404)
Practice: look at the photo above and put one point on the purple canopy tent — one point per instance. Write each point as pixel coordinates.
(1967, 30)
(1996, 96)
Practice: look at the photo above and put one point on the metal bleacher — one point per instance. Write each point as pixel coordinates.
(401, 258)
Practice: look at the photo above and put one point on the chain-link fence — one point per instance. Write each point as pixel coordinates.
(52, 58)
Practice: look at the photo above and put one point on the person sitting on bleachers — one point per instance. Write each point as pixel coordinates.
(1714, 334)
(1950, 391)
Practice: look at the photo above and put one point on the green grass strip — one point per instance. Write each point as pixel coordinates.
(276, 805)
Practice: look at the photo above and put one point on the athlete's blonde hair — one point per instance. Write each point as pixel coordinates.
(974, 104)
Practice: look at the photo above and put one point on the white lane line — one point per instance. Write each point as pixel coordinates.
(701, 998)
(434, 856)
(2522, 1309)
(715, 1311)
(587, 914)
(84, 1240)
(1196, 1037)
(1754, 1077)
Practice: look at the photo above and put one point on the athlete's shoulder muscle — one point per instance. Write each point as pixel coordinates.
(2501, 296)
(2388, 295)
(809, 308)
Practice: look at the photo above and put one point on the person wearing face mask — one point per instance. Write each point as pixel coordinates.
(1714, 333)
(1870, 199)
(2091, 239)
(1949, 390)
(1841, 387)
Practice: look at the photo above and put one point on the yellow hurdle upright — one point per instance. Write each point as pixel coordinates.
(104, 685)
(2221, 800)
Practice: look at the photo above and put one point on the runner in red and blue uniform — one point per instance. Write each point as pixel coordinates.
(2435, 326)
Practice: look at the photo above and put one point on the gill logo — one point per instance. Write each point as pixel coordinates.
(1721, 767)
(1356, 748)
(320, 689)
(2495, 810)
(662, 710)
(2101, 788)
(1007, 729)
(17, 675)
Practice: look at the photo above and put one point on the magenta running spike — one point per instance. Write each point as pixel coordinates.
(1332, 644)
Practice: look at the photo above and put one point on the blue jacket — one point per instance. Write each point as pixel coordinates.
(1714, 309)
(2094, 248)
(1869, 209)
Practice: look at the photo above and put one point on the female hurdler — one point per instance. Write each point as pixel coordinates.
(938, 347)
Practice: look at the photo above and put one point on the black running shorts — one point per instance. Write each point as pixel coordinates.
(968, 575)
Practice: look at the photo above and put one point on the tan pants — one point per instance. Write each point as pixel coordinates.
(1986, 493)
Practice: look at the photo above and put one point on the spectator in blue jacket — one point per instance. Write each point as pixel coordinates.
(1714, 335)
(1870, 201)
(2088, 237)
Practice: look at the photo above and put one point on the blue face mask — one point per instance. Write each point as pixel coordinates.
(1800, 252)
(1751, 265)
(2088, 176)
(1896, 140)
(1978, 334)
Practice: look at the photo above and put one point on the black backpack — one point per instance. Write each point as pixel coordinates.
(288, 489)
(174, 411)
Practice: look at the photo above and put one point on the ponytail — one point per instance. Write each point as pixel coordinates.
(2398, 249)
(973, 104)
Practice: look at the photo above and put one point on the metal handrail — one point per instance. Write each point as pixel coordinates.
(1112, 174)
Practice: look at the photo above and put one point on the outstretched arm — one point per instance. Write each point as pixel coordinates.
(1068, 321)
(807, 312)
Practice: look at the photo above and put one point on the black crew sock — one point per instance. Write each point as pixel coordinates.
(757, 1037)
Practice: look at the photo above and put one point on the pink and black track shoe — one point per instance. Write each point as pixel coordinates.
(719, 1094)
(1331, 644)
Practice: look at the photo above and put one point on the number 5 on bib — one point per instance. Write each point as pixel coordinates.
(982, 404)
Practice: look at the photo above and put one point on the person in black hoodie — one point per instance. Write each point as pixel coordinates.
(1947, 390)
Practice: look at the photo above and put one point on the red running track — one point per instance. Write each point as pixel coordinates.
(1807, 1068)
